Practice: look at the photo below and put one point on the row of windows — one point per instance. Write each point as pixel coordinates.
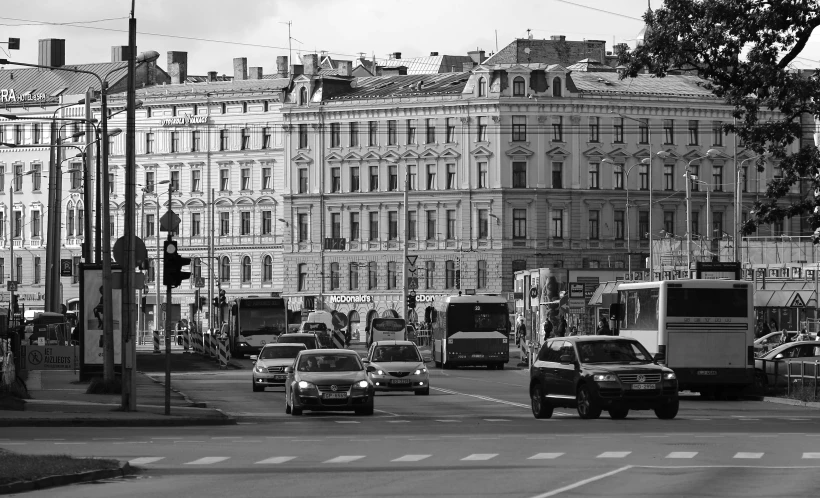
(196, 109)
(431, 181)
(246, 180)
(19, 271)
(18, 224)
(18, 175)
(224, 268)
(225, 225)
(519, 87)
(452, 275)
(194, 142)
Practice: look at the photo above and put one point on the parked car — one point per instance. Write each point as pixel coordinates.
(596, 373)
(771, 341)
(328, 380)
(397, 366)
(770, 369)
(309, 339)
(269, 366)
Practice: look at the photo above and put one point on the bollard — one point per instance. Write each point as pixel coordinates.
(223, 358)
(198, 342)
(186, 340)
(207, 344)
(214, 347)
(156, 341)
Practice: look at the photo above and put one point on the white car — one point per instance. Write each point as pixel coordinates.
(269, 366)
(772, 340)
(397, 366)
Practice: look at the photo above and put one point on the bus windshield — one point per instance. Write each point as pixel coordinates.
(470, 317)
(261, 316)
(714, 303)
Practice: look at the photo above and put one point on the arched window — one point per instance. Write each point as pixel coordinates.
(518, 87)
(303, 96)
(267, 269)
(482, 275)
(449, 274)
(556, 87)
(225, 269)
(302, 282)
(69, 220)
(334, 276)
(246, 269)
(482, 87)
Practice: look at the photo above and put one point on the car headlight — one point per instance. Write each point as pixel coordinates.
(604, 378)
(243, 344)
(305, 385)
(261, 369)
(379, 372)
(362, 384)
(420, 371)
(669, 376)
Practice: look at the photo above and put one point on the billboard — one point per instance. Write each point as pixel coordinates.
(554, 297)
(92, 316)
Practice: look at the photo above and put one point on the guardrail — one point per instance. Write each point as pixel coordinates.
(792, 371)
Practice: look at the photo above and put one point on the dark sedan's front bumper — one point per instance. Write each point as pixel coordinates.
(612, 394)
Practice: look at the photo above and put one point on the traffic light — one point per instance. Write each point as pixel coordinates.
(202, 301)
(196, 300)
(172, 274)
(15, 307)
(216, 302)
(411, 301)
(223, 298)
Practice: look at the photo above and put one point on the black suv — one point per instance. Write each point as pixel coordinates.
(596, 373)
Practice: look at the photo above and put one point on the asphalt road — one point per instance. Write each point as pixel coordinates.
(474, 436)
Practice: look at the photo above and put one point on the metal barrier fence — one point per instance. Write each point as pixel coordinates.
(789, 372)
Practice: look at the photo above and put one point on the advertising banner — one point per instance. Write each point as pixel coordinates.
(92, 319)
(50, 357)
(554, 299)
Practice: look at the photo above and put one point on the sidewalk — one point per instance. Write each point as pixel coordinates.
(59, 399)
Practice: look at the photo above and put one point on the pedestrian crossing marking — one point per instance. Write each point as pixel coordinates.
(496, 420)
(411, 458)
(275, 460)
(614, 454)
(445, 421)
(682, 454)
(748, 455)
(398, 421)
(545, 456)
(208, 461)
(479, 457)
(347, 422)
(145, 460)
(811, 455)
(344, 459)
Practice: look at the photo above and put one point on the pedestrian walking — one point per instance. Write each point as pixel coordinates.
(603, 327)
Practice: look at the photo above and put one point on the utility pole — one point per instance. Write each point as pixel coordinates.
(405, 260)
(87, 181)
(168, 324)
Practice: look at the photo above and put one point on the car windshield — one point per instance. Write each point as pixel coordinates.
(314, 327)
(613, 352)
(329, 363)
(275, 352)
(396, 353)
(310, 342)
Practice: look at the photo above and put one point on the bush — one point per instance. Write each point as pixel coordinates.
(99, 386)
(803, 391)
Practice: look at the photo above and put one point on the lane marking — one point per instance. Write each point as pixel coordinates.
(545, 456)
(578, 484)
(411, 458)
(479, 457)
(445, 421)
(496, 420)
(48, 439)
(748, 455)
(70, 443)
(227, 437)
(344, 459)
(614, 454)
(130, 442)
(347, 422)
(107, 439)
(12, 444)
(485, 398)
(145, 460)
(398, 421)
(275, 460)
(208, 461)
(811, 455)
(682, 454)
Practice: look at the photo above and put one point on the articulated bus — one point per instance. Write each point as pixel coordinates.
(254, 322)
(701, 329)
(472, 330)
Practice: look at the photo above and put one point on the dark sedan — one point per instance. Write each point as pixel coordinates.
(596, 373)
(328, 380)
(770, 369)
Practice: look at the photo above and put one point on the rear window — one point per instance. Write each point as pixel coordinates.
(310, 342)
(278, 352)
(714, 303)
(314, 327)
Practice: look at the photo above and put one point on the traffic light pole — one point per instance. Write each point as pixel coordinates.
(168, 323)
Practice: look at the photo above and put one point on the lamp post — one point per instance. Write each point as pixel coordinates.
(689, 178)
(739, 208)
(694, 179)
(13, 234)
(626, 187)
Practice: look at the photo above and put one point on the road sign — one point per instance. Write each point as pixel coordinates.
(169, 222)
(412, 260)
(66, 268)
(140, 251)
(412, 282)
(11, 286)
(798, 302)
(200, 282)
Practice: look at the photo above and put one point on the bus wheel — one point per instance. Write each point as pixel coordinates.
(500, 366)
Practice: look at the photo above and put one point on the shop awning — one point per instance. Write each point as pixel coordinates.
(604, 288)
(785, 299)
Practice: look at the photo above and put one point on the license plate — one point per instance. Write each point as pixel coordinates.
(478, 356)
(643, 387)
(279, 377)
(707, 372)
(334, 395)
(400, 381)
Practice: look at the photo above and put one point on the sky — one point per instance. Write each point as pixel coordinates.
(257, 29)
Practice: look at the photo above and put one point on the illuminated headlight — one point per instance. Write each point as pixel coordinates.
(420, 371)
(604, 378)
(362, 384)
(304, 385)
(379, 372)
(669, 376)
(243, 344)
(261, 369)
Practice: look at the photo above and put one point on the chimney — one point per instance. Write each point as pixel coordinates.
(397, 55)
(477, 56)
(558, 38)
(311, 64)
(52, 52)
(282, 66)
(344, 68)
(433, 54)
(255, 73)
(120, 53)
(211, 76)
(467, 66)
(296, 69)
(240, 68)
(178, 67)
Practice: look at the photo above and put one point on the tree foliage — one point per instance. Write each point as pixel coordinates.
(745, 50)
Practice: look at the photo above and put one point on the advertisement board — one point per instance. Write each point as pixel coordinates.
(49, 357)
(554, 303)
(91, 318)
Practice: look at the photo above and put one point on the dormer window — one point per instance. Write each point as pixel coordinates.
(482, 87)
(518, 87)
(303, 97)
(556, 87)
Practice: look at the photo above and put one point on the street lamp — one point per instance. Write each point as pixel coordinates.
(739, 206)
(689, 179)
(626, 187)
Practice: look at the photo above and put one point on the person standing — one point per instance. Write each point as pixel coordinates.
(603, 327)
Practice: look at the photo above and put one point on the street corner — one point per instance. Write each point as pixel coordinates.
(22, 486)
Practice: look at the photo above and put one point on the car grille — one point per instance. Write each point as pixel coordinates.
(633, 378)
(399, 374)
(276, 369)
(340, 388)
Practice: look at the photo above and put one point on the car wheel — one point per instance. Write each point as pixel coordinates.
(761, 381)
(367, 410)
(257, 389)
(423, 392)
(540, 406)
(668, 411)
(287, 406)
(588, 407)
(618, 413)
(294, 410)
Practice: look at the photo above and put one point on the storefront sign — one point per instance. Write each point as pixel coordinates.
(9, 96)
(186, 120)
(351, 299)
(50, 357)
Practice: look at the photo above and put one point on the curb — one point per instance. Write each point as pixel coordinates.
(65, 480)
(791, 402)
(85, 422)
(191, 403)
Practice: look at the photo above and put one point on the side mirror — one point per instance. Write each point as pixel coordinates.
(288, 370)
(371, 368)
(365, 361)
(254, 357)
(566, 359)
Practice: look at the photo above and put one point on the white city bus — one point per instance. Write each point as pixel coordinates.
(702, 329)
(472, 330)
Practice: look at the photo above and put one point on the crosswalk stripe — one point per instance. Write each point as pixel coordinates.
(344, 459)
(145, 460)
(811, 455)
(545, 456)
(275, 460)
(411, 458)
(446, 420)
(614, 454)
(476, 457)
(748, 455)
(208, 461)
(682, 454)
(348, 422)
(496, 420)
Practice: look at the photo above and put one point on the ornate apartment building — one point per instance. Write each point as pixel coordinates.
(511, 166)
